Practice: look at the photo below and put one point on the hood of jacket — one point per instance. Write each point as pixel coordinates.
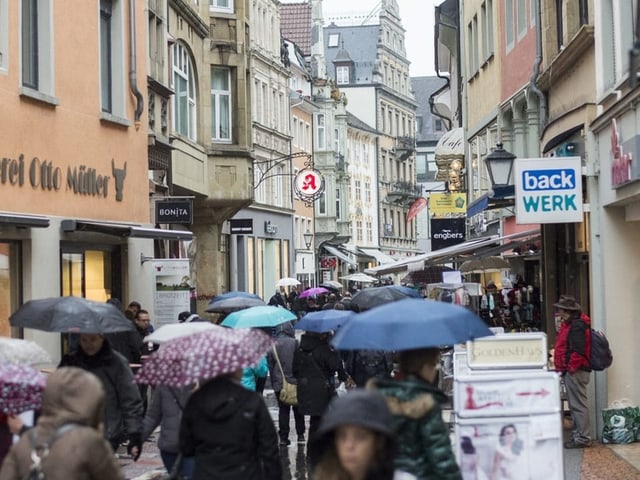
(223, 397)
(413, 398)
(310, 341)
(72, 395)
(285, 329)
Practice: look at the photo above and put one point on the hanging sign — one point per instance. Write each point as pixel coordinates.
(548, 190)
(308, 185)
(441, 204)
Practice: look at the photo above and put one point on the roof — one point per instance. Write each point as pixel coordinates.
(355, 122)
(295, 24)
(359, 42)
(423, 88)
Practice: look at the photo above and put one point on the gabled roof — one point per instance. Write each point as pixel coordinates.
(423, 88)
(361, 42)
(355, 122)
(295, 24)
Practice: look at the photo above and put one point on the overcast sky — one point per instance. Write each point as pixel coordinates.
(417, 19)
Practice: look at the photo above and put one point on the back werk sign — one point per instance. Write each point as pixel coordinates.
(44, 175)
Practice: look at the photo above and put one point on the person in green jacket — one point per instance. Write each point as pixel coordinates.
(423, 444)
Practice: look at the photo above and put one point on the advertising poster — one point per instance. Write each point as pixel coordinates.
(172, 287)
(514, 448)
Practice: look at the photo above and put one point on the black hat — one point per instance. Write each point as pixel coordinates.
(183, 316)
(365, 408)
(566, 302)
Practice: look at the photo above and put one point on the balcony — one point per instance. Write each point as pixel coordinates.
(405, 147)
(403, 192)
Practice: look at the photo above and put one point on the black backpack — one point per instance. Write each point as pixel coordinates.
(601, 356)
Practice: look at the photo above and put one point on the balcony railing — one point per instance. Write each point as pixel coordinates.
(405, 146)
(405, 188)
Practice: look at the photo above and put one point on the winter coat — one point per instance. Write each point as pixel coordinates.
(422, 439)
(573, 344)
(314, 366)
(230, 432)
(363, 365)
(251, 374)
(286, 345)
(165, 408)
(123, 415)
(128, 343)
(71, 396)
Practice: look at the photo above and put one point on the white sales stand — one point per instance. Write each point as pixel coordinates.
(501, 383)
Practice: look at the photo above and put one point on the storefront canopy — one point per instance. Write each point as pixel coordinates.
(123, 230)
(381, 258)
(23, 220)
(478, 247)
(338, 253)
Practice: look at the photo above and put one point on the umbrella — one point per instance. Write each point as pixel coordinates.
(204, 355)
(332, 285)
(287, 282)
(239, 293)
(429, 274)
(17, 350)
(70, 315)
(233, 304)
(372, 297)
(324, 320)
(21, 388)
(486, 264)
(408, 324)
(312, 292)
(258, 317)
(171, 331)
(360, 277)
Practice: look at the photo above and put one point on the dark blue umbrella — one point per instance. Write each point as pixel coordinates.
(376, 296)
(324, 320)
(409, 324)
(226, 296)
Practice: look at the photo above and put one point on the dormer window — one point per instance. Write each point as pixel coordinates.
(334, 40)
(342, 75)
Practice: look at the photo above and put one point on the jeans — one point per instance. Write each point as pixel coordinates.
(186, 468)
(283, 419)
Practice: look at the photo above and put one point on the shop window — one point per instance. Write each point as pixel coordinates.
(10, 283)
(36, 35)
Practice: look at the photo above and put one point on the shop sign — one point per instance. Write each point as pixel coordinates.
(623, 168)
(174, 212)
(241, 226)
(446, 232)
(548, 190)
(441, 204)
(45, 175)
(328, 263)
(511, 350)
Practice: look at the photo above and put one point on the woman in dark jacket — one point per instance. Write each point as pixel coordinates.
(123, 418)
(314, 366)
(230, 432)
(423, 443)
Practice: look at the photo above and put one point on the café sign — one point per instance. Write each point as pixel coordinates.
(45, 175)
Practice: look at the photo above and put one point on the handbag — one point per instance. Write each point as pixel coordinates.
(289, 392)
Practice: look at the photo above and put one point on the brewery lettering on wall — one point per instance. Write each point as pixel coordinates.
(43, 174)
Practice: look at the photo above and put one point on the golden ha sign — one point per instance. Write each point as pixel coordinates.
(508, 350)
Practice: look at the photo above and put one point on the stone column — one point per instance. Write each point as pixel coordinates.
(209, 266)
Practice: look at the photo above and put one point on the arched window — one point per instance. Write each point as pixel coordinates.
(184, 100)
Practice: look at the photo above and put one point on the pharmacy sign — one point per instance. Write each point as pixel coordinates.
(548, 190)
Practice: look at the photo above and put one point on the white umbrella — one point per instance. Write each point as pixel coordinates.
(287, 282)
(171, 331)
(17, 350)
(360, 277)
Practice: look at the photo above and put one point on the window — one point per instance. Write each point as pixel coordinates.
(488, 30)
(342, 75)
(616, 24)
(437, 124)
(367, 192)
(359, 230)
(369, 232)
(220, 104)
(358, 190)
(338, 215)
(36, 48)
(336, 140)
(4, 36)
(426, 167)
(320, 131)
(221, 6)
(158, 54)
(184, 99)
(322, 204)
(334, 40)
(522, 18)
(509, 24)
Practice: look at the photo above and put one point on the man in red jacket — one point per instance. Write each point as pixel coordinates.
(571, 358)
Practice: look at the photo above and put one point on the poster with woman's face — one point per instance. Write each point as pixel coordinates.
(510, 448)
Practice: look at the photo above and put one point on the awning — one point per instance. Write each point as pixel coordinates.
(123, 230)
(499, 197)
(483, 246)
(381, 258)
(338, 253)
(22, 220)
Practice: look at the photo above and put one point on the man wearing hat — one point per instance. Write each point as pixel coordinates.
(571, 358)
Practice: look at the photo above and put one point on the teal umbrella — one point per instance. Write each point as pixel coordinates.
(258, 317)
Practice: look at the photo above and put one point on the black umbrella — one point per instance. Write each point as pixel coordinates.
(233, 304)
(374, 296)
(70, 315)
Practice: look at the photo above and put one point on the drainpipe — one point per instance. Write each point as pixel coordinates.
(542, 107)
(133, 73)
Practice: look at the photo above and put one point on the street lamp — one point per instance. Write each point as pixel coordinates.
(500, 165)
(308, 239)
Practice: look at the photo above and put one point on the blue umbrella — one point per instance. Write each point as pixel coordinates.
(233, 304)
(324, 320)
(376, 296)
(409, 324)
(258, 317)
(226, 296)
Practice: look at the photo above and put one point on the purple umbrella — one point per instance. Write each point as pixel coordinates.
(312, 292)
(202, 356)
(21, 388)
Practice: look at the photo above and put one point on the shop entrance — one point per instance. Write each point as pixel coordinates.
(10, 283)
